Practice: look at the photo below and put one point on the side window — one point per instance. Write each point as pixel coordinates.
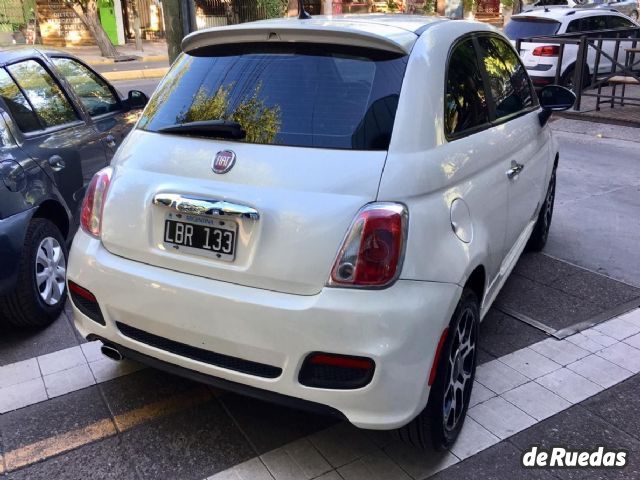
(618, 22)
(466, 100)
(94, 93)
(595, 23)
(18, 106)
(508, 80)
(574, 26)
(45, 95)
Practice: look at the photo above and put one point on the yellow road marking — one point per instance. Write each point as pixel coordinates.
(101, 429)
(59, 444)
(1, 464)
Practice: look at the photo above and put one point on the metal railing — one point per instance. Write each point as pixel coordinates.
(614, 45)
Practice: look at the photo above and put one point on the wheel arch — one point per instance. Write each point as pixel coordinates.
(53, 211)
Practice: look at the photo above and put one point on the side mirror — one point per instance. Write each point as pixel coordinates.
(554, 98)
(137, 99)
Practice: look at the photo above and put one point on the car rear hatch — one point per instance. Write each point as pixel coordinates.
(269, 210)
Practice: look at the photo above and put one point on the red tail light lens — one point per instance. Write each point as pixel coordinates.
(547, 51)
(371, 255)
(93, 204)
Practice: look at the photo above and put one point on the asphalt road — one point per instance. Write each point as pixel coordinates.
(147, 86)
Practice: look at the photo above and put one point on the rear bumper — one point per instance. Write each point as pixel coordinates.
(398, 328)
(12, 232)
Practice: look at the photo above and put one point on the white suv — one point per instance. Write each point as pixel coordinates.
(321, 211)
(541, 60)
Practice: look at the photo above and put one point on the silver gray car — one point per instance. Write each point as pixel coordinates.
(630, 8)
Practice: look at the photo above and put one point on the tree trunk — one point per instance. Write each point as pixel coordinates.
(136, 24)
(173, 27)
(87, 12)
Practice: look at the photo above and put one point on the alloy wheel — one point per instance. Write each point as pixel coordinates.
(460, 369)
(51, 270)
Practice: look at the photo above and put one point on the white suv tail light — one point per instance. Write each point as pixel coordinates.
(93, 204)
(373, 250)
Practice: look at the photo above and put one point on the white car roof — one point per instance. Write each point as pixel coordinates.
(560, 13)
(395, 32)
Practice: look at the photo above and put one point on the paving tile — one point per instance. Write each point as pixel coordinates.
(569, 385)
(501, 334)
(473, 439)
(417, 463)
(107, 369)
(104, 460)
(617, 328)
(632, 317)
(22, 395)
(343, 443)
(619, 406)
(633, 341)
(381, 438)
(92, 351)
(373, 467)
(22, 344)
(66, 381)
(61, 360)
(560, 351)
(330, 476)
(191, 444)
(599, 337)
(19, 372)
(298, 460)
(269, 426)
(529, 363)
(581, 430)
(500, 417)
(53, 417)
(536, 400)
(252, 469)
(599, 370)
(498, 377)
(480, 394)
(586, 343)
(623, 355)
(499, 462)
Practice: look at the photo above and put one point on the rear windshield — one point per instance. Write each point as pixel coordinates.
(519, 28)
(303, 95)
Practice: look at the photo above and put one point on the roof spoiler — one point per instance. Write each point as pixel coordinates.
(297, 31)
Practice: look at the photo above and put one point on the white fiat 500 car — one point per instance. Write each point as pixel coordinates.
(541, 59)
(321, 212)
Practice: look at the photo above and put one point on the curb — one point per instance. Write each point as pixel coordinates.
(109, 61)
(599, 119)
(136, 74)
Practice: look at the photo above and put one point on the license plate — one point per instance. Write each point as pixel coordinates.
(201, 235)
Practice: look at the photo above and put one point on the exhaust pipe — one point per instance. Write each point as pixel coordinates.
(111, 352)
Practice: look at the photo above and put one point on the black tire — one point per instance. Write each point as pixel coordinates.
(540, 233)
(567, 78)
(431, 428)
(25, 306)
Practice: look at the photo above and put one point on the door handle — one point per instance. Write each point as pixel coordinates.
(515, 169)
(110, 140)
(57, 163)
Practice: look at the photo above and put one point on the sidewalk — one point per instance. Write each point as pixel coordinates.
(151, 62)
(619, 115)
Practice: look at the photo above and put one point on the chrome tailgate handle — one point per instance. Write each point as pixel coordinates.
(200, 206)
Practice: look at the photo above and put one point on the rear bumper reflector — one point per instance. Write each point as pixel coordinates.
(339, 372)
(86, 302)
(205, 356)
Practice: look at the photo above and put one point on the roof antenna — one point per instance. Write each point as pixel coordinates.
(302, 13)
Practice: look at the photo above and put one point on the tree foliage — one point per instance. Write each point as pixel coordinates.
(274, 8)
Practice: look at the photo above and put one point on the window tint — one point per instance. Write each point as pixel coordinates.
(508, 80)
(299, 94)
(466, 101)
(619, 22)
(44, 94)
(18, 106)
(524, 27)
(94, 93)
(574, 26)
(594, 23)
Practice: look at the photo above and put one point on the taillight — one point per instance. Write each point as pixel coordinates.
(546, 51)
(93, 204)
(371, 255)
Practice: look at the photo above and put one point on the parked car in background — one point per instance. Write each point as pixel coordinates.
(301, 219)
(630, 8)
(541, 60)
(60, 122)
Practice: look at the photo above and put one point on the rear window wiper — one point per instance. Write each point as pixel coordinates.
(208, 128)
